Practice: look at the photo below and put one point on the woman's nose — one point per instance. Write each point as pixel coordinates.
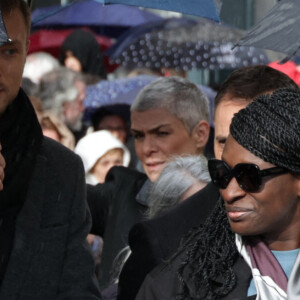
(232, 192)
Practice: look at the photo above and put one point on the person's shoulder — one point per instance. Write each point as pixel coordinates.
(54, 150)
(125, 174)
(162, 282)
(189, 211)
(167, 229)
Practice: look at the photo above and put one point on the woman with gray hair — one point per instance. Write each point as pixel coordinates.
(181, 178)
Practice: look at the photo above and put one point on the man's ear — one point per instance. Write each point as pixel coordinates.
(200, 135)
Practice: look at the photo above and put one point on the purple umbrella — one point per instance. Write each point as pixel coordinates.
(109, 20)
(200, 8)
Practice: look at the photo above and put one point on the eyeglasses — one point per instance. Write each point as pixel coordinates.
(248, 176)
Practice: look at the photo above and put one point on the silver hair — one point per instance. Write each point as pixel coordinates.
(179, 96)
(175, 179)
(58, 86)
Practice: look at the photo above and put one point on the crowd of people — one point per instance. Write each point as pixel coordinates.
(131, 202)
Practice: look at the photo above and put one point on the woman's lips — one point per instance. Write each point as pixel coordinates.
(154, 166)
(237, 214)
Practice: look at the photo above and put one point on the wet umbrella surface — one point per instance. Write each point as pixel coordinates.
(278, 31)
(184, 44)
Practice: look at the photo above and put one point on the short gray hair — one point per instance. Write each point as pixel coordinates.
(175, 179)
(179, 96)
(58, 86)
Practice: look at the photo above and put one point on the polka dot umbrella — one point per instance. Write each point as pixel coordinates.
(184, 44)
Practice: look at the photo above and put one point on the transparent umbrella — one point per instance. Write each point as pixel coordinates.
(184, 44)
(278, 30)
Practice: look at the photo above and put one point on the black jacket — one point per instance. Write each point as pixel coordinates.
(50, 258)
(155, 240)
(163, 283)
(114, 211)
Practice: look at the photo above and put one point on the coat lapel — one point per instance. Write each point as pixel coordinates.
(26, 243)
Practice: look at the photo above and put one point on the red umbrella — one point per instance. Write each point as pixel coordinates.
(50, 41)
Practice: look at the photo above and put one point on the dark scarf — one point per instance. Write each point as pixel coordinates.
(21, 137)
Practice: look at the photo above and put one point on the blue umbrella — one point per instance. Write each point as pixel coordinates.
(200, 8)
(110, 20)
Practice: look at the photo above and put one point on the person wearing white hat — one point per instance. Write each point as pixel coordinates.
(99, 152)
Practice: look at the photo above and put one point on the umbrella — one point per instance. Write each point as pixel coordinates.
(115, 91)
(110, 20)
(278, 30)
(183, 44)
(201, 8)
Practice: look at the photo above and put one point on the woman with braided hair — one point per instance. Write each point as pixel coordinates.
(249, 246)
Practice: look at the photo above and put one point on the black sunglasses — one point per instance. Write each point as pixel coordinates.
(248, 176)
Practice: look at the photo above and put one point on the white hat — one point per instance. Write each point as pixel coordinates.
(94, 145)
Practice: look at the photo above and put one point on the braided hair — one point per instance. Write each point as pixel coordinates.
(210, 256)
(269, 128)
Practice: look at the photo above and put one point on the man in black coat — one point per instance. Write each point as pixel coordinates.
(169, 117)
(43, 211)
(154, 241)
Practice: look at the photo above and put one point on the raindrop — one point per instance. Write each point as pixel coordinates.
(157, 65)
(192, 52)
(132, 47)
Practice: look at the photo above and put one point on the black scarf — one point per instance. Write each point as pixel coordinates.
(21, 137)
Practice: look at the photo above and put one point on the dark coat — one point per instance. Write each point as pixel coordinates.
(155, 240)
(163, 283)
(114, 211)
(50, 258)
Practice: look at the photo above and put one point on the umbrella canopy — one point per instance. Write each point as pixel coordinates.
(122, 90)
(184, 44)
(110, 20)
(203, 8)
(278, 30)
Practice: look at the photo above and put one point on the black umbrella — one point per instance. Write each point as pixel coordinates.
(184, 44)
(279, 30)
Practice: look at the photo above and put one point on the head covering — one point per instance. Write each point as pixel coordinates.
(269, 128)
(86, 49)
(94, 145)
(3, 33)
